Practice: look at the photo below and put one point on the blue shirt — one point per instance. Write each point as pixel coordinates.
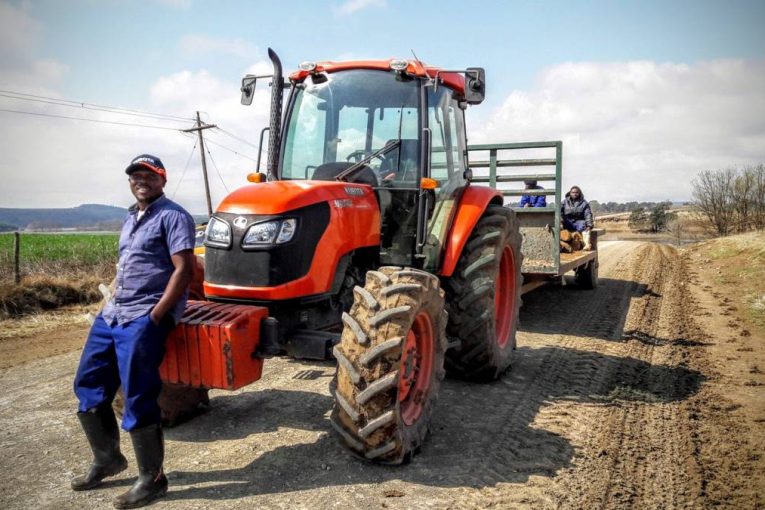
(533, 200)
(145, 264)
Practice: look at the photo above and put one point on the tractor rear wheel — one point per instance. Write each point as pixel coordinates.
(483, 298)
(390, 364)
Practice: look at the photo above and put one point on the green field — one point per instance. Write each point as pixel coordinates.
(59, 255)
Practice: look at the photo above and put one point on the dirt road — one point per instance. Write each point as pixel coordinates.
(617, 399)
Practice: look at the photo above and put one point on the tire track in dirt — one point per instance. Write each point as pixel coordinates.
(603, 404)
(572, 388)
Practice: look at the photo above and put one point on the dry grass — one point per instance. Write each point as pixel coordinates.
(739, 262)
(78, 263)
(36, 323)
(688, 227)
(40, 293)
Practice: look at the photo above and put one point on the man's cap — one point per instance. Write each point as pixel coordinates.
(147, 162)
(530, 182)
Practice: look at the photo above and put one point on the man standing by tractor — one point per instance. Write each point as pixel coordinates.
(126, 343)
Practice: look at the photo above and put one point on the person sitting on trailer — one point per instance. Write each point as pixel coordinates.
(533, 200)
(575, 211)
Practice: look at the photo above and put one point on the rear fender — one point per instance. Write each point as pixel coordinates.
(471, 207)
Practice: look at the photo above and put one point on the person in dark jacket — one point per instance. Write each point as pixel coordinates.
(532, 200)
(576, 212)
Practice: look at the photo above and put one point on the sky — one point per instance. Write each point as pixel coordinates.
(643, 94)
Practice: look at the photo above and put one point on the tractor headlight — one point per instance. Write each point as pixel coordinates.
(269, 232)
(218, 233)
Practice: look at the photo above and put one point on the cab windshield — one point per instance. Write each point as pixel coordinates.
(344, 117)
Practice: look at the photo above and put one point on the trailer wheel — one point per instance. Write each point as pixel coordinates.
(389, 364)
(483, 297)
(587, 276)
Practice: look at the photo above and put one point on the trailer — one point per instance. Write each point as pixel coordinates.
(503, 166)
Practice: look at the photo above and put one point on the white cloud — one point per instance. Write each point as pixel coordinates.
(55, 162)
(195, 44)
(218, 102)
(40, 77)
(19, 33)
(352, 6)
(62, 163)
(638, 130)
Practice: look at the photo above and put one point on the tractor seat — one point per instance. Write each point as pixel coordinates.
(328, 172)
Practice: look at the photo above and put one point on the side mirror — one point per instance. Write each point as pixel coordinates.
(248, 89)
(475, 85)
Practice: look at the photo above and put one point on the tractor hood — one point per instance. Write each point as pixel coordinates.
(280, 196)
(328, 220)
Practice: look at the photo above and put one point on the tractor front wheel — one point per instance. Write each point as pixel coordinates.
(390, 364)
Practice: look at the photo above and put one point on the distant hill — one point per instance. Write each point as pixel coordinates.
(84, 217)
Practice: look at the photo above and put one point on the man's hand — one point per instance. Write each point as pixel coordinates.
(153, 317)
(179, 282)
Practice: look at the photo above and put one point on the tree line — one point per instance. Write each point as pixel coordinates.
(617, 207)
(732, 199)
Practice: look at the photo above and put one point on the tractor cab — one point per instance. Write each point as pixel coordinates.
(394, 125)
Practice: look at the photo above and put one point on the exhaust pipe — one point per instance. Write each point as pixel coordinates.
(275, 132)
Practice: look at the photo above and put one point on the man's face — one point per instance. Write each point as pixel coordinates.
(146, 185)
(574, 193)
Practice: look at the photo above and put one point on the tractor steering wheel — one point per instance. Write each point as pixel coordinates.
(360, 154)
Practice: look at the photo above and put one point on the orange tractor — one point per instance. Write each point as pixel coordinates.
(365, 241)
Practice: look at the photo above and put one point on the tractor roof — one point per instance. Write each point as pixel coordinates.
(455, 81)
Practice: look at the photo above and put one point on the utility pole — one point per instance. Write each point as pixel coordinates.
(199, 129)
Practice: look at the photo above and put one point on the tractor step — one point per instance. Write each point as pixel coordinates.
(213, 346)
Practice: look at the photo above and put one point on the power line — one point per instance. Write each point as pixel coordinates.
(87, 120)
(91, 106)
(231, 150)
(185, 167)
(216, 170)
(232, 135)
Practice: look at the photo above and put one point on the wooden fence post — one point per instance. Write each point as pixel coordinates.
(16, 243)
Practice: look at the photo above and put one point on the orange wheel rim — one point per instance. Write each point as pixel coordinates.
(416, 368)
(504, 297)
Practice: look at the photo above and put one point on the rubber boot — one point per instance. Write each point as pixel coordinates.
(586, 238)
(149, 447)
(100, 428)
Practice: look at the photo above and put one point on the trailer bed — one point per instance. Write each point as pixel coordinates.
(570, 261)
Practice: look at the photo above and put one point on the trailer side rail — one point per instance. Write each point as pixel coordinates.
(504, 166)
